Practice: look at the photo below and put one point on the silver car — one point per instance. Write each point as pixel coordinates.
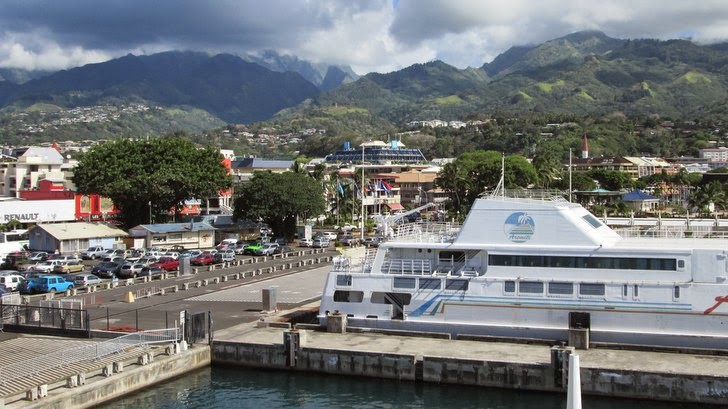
(82, 280)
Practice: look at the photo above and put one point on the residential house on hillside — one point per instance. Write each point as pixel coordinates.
(242, 169)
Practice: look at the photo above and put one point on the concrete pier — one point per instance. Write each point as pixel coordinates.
(607, 372)
(87, 384)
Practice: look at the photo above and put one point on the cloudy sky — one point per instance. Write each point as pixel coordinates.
(368, 35)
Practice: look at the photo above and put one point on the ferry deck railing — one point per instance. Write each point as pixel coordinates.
(427, 232)
(67, 357)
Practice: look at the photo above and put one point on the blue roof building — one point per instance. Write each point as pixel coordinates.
(192, 235)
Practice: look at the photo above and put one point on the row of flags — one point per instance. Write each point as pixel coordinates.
(371, 186)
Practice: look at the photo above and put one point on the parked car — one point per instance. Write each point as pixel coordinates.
(190, 253)
(84, 280)
(203, 260)
(226, 255)
(53, 284)
(240, 248)
(130, 270)
(328, 235)
(63, 258)
(151, 271)
(320, 242)
(223, 257)
(372, 241)
(37, 256)
(282, 241)
(11, 281)
(172, 254)
(349, 240)
(305, 242)
(267, 249)
(71, 266)
(30, 285)
(106, 269)
(283, 250)
(45, 266)
(166, 263)
(252, 248)
(93, 252)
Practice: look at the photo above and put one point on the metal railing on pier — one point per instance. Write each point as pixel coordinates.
(93, 352)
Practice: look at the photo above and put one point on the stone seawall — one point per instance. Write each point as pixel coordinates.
(613, 373)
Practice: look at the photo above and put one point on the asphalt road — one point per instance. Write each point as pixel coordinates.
(230, 303)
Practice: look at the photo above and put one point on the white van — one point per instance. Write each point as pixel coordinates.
(11, 281)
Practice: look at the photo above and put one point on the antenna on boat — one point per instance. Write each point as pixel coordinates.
(570, 175)
(500, 187)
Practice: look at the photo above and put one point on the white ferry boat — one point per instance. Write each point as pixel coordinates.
(534, 268)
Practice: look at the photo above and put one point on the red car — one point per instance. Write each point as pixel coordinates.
(203, 259)
(167, 264)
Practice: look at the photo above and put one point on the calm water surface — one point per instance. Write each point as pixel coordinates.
(223, 387)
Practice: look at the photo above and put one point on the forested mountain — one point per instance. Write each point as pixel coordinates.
(581, 74)
(224, 85)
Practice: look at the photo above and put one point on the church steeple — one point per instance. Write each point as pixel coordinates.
(585, 148)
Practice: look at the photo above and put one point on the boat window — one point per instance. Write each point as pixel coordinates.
(636, 292)
(509, 286)
(343, 279)
(451, 256)
(531, 287)
(391, 298)
(681, 264)
(612, 263)
(591, 289)
(456, 285)
(676, 292)
(624, 290)
(593, 221)
(430, 283)
(404, 282)
(348, 296)
(561, 288)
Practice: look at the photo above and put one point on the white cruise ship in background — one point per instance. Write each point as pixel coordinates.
(534, 268)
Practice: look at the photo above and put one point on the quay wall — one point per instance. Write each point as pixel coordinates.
(100, 388)
(349, 360)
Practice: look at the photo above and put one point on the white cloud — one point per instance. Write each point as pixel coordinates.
(370, 36)
(45, 54)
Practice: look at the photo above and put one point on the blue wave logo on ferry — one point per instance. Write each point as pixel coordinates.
(519, 227)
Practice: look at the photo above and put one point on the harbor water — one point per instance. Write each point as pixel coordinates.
(226, 387)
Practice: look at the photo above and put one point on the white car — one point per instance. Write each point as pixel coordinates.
(82, 280)
(305, 243)
(320, 242)
(45, 266)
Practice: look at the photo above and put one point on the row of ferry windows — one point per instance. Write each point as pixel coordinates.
(509, 287)
(411, 283)
(616, 263)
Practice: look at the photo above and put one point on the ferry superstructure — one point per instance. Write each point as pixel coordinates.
(525, 268)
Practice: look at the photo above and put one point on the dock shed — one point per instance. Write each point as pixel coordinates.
(193, 235)
(74, 237)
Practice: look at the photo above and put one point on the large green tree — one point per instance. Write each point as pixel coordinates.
(278, 199)
(472, 173)
(151, 176)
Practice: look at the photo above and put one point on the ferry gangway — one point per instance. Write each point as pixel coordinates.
(92, 352)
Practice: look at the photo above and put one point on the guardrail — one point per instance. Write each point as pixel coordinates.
(68, 357)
